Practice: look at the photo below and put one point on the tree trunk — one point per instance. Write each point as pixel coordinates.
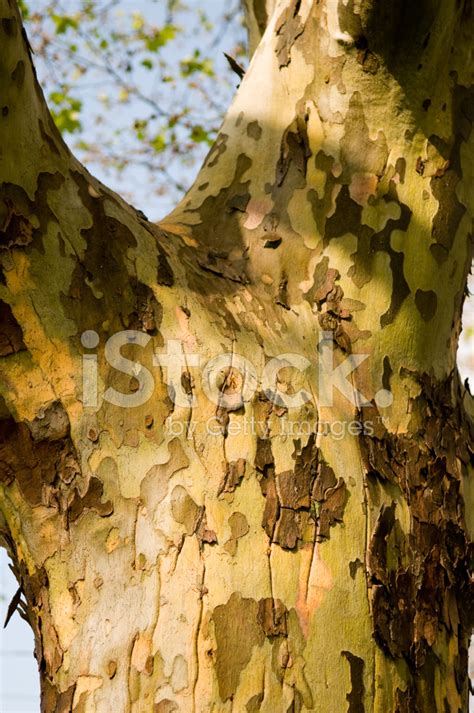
(293, 537)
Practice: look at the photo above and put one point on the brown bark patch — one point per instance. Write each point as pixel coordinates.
(421, 579)
(44, 468)
(292, 497)
(369, 61)
(444, 187)
(254, 130)
(356, 696)
(329, 510)
(238, 524)
(289, 27)
(334, 312)
(148, 313)
(294, 488)
(9, 26)
(347, 218)
(164, 276)
(239, 527)
(289, 528)
(235, 471)
(185, 510)
(265, 465)
(254, 704)
(154, 486)
(237, 632)
(101, 282)
(191, 515)
(11, 334)
(16, 230)
(216, 151)
(359, 153)
(427, 303)
(204, 534)
(18, 74)
(272, 617)
(55, 701)
(294, 150)
(92, 500)
(238, 202)
(450, 210)
(52, 425)
(324, 279)
(220, 253)
(165, 706)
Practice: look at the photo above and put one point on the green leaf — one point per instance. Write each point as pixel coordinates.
(200, 135)
(64, 22)
(195, 64)
(159, 143)
(67, 121)
(57, 97)
(158, 37)
(24, 9)
(140, 126)
(66, 115)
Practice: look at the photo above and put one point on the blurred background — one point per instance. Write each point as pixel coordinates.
(138, 88)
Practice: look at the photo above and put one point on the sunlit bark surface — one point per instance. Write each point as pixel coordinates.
(258, 557)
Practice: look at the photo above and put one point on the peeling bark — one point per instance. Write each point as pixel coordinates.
(257, 557)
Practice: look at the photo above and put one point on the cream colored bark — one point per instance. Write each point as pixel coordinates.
(257, 15)
(211, 560)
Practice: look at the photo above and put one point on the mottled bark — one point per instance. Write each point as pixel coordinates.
(263, 567)
(257, 15)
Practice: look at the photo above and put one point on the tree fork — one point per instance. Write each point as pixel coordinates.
(174, 558)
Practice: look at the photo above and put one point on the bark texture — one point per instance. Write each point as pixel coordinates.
(257, 15)
(263, 567)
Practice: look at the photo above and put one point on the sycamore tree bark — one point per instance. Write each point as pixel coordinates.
(274, 533)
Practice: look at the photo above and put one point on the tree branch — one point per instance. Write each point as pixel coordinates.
(257, 14)
(28, 129)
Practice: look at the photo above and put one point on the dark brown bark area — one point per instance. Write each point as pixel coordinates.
(421, 581)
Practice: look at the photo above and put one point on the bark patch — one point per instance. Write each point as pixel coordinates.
(55, 701)
(148, 313)
(52, 425)
(165, 706)
(44, 468)
(191, 515)
(16, 231)
(356, 697)
(164, 275)
(18, 74)
(254, 130)
(237, 632)
(289, 27)
(272, 617)
(294, 150)
(235, 471)
(92, 500)
(420, 579)
(239, 626)
(427, 303)
(292, 497)
(11, 334)
(9, 26)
